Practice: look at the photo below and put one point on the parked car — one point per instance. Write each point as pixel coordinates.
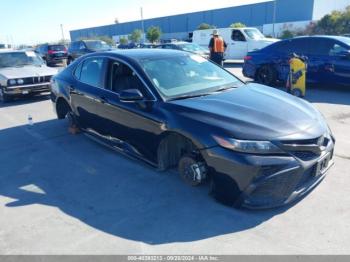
(188, 47)
(347, 35)
(79, 48)
(239, 41)
(175, 109)
(22, 73)
(328, 59)
(52, 54)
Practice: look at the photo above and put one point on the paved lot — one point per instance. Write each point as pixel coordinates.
(64, 194)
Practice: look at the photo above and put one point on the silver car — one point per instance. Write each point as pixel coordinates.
(23, 73)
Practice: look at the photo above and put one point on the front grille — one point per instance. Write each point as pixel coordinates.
(306, 150)
(33, 80)
(305, 155)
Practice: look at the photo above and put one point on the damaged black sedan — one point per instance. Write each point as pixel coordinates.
(258, 147)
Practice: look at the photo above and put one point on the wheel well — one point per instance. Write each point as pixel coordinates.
(62, 108)
(172, 147)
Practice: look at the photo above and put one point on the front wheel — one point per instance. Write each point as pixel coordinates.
(4, 97)
(267, 75)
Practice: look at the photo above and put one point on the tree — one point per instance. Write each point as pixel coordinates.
(335, 23)
(237, 25)
(286, 34)
(123, 40)
(153, 34)
(204, 26)
(136, 36)
(116, 20)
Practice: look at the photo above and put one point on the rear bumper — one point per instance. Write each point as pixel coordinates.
(27, 89)
(260, 182)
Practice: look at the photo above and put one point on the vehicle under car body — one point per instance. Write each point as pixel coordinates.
(258, 146)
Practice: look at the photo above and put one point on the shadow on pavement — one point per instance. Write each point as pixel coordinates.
(46, 166)
(22, 100)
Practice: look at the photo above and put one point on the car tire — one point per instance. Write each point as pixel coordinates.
(4, 97)
(69, 60)
(267, 75)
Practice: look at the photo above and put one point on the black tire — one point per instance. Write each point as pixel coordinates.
(267, 75)
(69, 60)
(186, 171)
(4, 97)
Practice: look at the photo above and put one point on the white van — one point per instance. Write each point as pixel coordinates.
(239, 41)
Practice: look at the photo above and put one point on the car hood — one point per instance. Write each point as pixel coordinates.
(254, 112)
(27, 71)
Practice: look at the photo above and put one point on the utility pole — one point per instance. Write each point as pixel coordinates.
(62, 32)
(143, 26)
(274, 17)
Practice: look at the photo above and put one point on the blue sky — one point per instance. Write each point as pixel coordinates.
(35, 21)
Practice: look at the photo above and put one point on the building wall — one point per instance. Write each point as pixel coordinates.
(178, 26)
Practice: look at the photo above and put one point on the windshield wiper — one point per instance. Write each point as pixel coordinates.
(189, 96)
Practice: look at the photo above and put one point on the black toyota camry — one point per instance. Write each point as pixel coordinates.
(257, 146)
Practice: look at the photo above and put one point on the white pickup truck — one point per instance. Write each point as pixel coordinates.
(239, 41)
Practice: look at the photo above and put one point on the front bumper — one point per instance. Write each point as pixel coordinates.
(27, 89)
(260, 182)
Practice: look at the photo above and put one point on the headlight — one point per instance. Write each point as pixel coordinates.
(247, 146)
(20, 81)
(12, 82)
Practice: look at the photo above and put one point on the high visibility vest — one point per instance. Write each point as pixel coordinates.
(219, 46)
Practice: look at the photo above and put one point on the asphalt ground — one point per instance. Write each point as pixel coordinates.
(66, 194)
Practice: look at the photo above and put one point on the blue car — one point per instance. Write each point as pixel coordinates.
(328, 59)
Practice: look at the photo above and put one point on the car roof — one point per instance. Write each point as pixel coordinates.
(339, 38)
(140, 54)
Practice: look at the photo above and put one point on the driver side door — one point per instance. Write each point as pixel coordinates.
(238, 47)
(131, 126)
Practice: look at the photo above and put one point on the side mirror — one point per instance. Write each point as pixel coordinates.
(131, 95)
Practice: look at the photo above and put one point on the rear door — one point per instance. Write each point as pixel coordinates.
(85, 91)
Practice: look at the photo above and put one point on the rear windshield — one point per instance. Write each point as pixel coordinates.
(57, 47)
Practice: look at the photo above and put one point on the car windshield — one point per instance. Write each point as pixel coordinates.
(57, 47)
(192, 47)
(254, 34)
(97, 45)
(17, 59)
(187, 75)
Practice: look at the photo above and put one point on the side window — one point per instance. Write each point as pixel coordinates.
(121, 77)
(81, 46)
(337, 49)
(237, 36)
(92, 72)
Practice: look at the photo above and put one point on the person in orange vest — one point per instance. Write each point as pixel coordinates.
(217, 47)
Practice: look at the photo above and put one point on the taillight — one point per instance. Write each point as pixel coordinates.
(51, 52)
(247, 58)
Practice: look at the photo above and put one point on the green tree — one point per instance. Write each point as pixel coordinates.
(286, 34)
(153, 34)
(237, 25)
(204, 26)
(123, 40)
(335, 23)
(136, 36)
